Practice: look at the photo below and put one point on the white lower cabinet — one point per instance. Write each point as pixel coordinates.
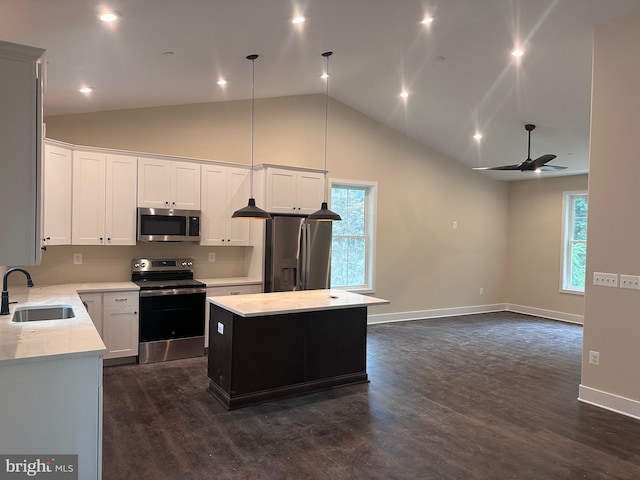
(115, 315)
(53, 405)
(222, 291)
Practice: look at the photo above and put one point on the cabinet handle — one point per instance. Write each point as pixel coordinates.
(135, 313)
(166, 203)
(109, 239)
(43, 248)
(234, 293)
(100, 238)
(121, 299)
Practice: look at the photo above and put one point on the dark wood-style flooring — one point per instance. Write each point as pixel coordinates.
(489, 396)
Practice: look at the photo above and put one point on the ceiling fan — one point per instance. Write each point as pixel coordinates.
(537, 165)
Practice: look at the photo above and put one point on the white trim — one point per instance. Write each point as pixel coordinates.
(471, 310)
(434, 313)
(609, 401)
(567, 217)
(550, 314)
(372, 215)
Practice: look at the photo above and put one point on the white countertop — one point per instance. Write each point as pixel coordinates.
(229, 281)
(261, 304)
(48, 339)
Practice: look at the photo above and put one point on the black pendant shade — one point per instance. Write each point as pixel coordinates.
(324, 214)
(251, 212)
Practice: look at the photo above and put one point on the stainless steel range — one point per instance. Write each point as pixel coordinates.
(172, 307)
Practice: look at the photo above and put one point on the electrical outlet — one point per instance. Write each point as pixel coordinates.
(630, 281)
(454, 225)
(212, 256)
(77, 259)
(605, 279)
(594, 357)
(481, 291)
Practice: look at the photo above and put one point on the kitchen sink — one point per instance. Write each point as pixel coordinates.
(42, 312)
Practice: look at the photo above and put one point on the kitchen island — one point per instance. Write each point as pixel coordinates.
(269, 346)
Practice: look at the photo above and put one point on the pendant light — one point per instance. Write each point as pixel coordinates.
(324, 214)
(251, 212)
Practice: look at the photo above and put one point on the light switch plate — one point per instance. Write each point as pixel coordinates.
(221, 328)
(605, 279)
(630, 281)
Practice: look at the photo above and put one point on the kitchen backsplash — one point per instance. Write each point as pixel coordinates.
(113, 263)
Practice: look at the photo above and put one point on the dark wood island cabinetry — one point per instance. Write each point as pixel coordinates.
(274, 345)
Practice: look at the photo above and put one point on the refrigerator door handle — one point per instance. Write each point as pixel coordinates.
(303, 257)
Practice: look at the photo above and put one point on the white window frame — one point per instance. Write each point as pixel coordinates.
(371, 195)
(567, 240)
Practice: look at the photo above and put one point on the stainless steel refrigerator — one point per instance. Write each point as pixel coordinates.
(297, 254)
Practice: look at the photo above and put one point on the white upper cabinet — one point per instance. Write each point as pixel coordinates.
(104, 199)
(224, 190)
(168, 184)
(21, 153)
(293, 191)
(56, 196)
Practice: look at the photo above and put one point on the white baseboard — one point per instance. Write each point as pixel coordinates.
(609, 401)
(455, 311)
(550, 314)
(434, 313)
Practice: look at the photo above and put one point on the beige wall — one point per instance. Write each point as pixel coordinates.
(612, 321)
(422, 262)
(535, 240)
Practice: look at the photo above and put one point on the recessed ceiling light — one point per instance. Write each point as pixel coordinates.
(298, 20)
(85, 89)
(477, 136)
(221, 82)
(427, 20)
(517, 53)
(109, 16)
(404, 94)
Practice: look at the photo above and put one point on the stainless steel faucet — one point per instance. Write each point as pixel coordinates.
(4, 310)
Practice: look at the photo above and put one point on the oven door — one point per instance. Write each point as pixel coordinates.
(170, 314)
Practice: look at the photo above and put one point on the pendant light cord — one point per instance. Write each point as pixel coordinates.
(326, 123)
(253, 88)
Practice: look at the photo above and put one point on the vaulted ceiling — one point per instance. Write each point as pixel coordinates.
(458, 70)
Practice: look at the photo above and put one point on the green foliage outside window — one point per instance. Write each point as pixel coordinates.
(578, 241)
(349, 247)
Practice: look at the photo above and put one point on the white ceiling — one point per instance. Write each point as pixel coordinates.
(458, 70)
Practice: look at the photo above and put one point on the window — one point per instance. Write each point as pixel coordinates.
(352, 250)
(574, 250)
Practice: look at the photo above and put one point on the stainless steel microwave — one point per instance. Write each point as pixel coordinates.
(168, 225)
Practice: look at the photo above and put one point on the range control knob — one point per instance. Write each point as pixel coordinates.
(190, 264)
(143, 264)
(136, 265)
(184, 264)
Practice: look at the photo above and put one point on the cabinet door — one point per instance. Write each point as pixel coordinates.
(214, 207)
(238, 229)
(310, 192)
(120, 324)
(88, 198)
(56, 196)
(185, 185)
(153, 183)
(93, 303)
(120, 333)
(120, 200)
(281, 191)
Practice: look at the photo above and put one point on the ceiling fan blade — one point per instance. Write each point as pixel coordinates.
(550, 168)
(503, 167)
(540, 161)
